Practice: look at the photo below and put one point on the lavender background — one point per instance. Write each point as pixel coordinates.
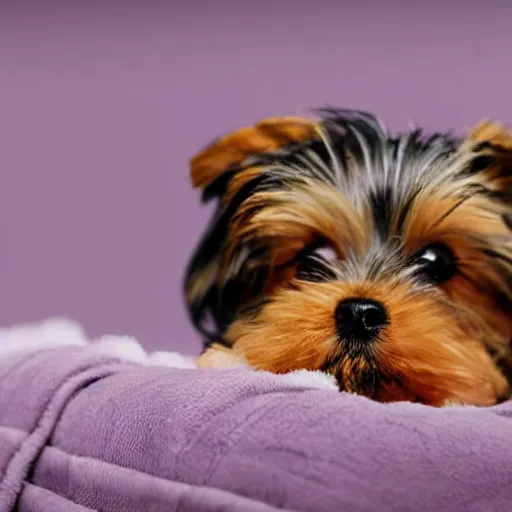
(102, 104)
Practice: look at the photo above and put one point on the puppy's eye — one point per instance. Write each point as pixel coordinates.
(435, 262)
(314, 263)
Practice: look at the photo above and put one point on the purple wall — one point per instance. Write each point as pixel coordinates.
(100, 108)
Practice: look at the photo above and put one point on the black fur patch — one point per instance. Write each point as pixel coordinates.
(481, 163)
(382, 207)
(507, 219)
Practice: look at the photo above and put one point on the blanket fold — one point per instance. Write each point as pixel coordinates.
(30, 407)
(84, 431)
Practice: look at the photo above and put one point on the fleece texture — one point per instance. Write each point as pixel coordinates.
(82, 430)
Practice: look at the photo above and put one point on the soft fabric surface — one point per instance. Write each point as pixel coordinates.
(82, 430)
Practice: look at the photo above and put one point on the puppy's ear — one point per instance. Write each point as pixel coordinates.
(219, 356)
(492, 144)
(491, 132)
(233, 149)
(211, 303)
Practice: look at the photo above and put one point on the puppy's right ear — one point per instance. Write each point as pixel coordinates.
(230, 151)
(493, 133)
(494, 163)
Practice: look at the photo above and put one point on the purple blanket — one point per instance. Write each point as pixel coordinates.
(80, 432)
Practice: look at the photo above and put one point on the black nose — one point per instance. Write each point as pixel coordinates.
(360, 319)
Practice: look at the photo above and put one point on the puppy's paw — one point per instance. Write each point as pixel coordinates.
(220, 357)
(452, 402)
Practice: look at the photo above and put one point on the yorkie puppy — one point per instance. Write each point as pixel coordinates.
(385, 261)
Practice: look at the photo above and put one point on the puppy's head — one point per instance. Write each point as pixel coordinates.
(383, 260)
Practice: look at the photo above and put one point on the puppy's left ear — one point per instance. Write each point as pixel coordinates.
(212, 304)
(492, 143)
(233, 149)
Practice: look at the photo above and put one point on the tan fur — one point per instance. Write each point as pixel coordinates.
(232, 149)
(499, 174)
(290, 220)
(493, 132)
(432, 356)
(470, 219)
